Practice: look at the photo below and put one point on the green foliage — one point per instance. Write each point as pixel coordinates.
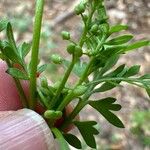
(95, 75)
(73, 140)
(105, 106)
(88, 131)
(14, 72)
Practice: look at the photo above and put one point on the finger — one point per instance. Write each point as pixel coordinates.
(24, 129)
(9, 97)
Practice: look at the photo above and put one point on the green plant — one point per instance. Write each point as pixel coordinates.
(103, 52)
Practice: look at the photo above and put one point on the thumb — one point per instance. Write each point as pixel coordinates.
(24, 129)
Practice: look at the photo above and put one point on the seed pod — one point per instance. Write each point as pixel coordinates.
(44, 82)
(80, 8)
(56, 59)
(94, 28)
(71, 48)
(78, 51)
(51, 114)
(65, 35)
(79, 90)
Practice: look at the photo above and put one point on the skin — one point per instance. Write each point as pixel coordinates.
(9, 97)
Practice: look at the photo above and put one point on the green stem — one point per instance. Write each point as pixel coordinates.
(61, 86)
(35, 51)
(57, 133)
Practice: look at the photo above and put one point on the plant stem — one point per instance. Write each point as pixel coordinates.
(35, 51)
(61, 86)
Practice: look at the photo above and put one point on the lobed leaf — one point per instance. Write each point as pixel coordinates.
(104, 106)
(73, 140)
(87, 131)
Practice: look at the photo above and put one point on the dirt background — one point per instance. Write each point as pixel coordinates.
(59, 16)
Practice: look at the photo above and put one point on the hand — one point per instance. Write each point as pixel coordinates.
(9, 97)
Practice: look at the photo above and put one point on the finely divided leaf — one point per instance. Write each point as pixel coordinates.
(14, 72)
(119, 40)
(87, 131)
(73, 140)
(105, 106)
(118, 28)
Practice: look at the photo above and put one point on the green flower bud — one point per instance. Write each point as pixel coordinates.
(94, 28)
(65, 35)
(104, 28)
(44, 82)
(71, 48)
(80, 8)
(56, 59)
(51, 114)
(78, 51)
(79, 90)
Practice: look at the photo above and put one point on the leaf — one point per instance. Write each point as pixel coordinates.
(24, 49)
(109, 64)
(132, 71)
(73, 140)
(119, 40)
(11, 36)
(118, 72)
(137, 45)
(78, 68)
(87, 131)
(42, 68)
(117, 28)
(16, 73)
(113, 49)
(3, 24)
(9, 52)
(104, 106)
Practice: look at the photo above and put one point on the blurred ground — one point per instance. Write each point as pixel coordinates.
(58, 15)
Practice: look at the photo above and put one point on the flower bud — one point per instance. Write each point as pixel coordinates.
(71, 48)
(79, 90)
(56, 59)
(78, 51)
(80, 8)
(51, 114)
(65, 35)
(94, 28)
